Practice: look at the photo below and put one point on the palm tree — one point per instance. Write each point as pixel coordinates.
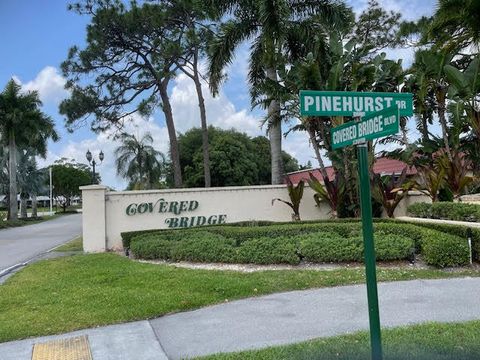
(274, 28)
(23, 125)
(457, 23)
(31, 181)
(429, 69)
(138, 162)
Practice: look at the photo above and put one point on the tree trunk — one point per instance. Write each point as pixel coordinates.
(275, 135)
(174, 153)
(321, 165)
(424, 128)
(12, 173)
(443, 121)
(203, 120)
(34, 206)
(23, 207)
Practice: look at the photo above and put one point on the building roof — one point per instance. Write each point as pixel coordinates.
(382, 166)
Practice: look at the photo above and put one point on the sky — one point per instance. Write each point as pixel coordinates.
(37, 36)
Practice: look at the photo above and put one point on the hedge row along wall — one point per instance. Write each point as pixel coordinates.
(318, 242)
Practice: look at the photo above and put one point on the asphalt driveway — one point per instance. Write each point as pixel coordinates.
(20, 244)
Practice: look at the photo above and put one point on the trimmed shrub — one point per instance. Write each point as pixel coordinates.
(152, 248)
(405, 230)
(445, 250)
(446, 210)
(279, 250)
(390, 247)
(420, 209)
(325, 247)
(204, 247)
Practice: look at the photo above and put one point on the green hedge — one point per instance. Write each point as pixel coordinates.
(328, 247)
(314, 242)
(446, 210)
(456, 230)
(445, 250)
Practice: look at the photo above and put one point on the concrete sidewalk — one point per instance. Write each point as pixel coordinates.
(273, 320)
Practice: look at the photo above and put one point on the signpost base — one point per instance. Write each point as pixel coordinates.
(370, 267)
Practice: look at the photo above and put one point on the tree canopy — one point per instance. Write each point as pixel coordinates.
(236, 159)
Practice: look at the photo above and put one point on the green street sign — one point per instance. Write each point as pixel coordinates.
(372, 126)
(345, 103)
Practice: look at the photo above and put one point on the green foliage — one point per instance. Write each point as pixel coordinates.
(235, 158)
(328, 247)
(295, 193)
(331, 241)
(445, 250)
(66, 180)
(268, 250)
(139, 162)
(390, 247)
(446, 210)
(203, 246)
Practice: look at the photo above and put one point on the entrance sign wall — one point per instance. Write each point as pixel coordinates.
(108, 213)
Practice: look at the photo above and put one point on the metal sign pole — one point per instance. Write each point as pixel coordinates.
(370, 267)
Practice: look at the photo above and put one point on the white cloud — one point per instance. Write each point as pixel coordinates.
(105, 142)
(221, 112)
(49, 84)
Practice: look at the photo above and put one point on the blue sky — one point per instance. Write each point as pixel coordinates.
(37, 35)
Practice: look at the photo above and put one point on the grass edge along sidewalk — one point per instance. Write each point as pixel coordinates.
(83, 291)
(432, 341)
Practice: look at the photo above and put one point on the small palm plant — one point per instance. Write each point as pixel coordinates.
(330, 192)
(295, 193)
(390, 191)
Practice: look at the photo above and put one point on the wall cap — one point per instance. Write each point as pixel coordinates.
(93, 187)
(187, 190)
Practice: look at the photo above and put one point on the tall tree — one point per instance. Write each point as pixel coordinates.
(138, 161)
(273, 28)
(67, 177)
(22, 125)
(132, 55)
(193, 16)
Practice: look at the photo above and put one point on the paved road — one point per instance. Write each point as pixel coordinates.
(302, 315)
(273, 320)
(21, 244)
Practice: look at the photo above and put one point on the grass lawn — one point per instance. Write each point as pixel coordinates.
(74, 245)
(80, 291)
(421, 342)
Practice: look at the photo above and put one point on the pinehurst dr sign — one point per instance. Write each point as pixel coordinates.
(347, 103)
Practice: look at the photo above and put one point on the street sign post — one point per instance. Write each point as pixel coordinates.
(378, 115)
(345, 103)
(375, 125)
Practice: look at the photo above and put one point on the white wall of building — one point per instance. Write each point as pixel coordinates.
(107, 214)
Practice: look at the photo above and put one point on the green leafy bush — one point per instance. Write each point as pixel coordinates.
(327, 247)
(390, 247)
(290, 243)
(205, 247)
(446, 210)
(152, 248)
(445, 250)
(420, 209)
(266, 250)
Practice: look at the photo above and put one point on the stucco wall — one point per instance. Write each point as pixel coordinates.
(108, 214)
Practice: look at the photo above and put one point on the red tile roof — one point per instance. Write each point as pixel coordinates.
(382, 166)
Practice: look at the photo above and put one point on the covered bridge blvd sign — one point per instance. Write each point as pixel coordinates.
(344, 103)
(372, 126)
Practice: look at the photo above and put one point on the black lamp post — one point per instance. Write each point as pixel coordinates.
(92, 162)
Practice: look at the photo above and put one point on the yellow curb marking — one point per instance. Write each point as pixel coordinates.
(75, 348)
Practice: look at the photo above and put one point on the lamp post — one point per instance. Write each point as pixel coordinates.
(92, 162)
